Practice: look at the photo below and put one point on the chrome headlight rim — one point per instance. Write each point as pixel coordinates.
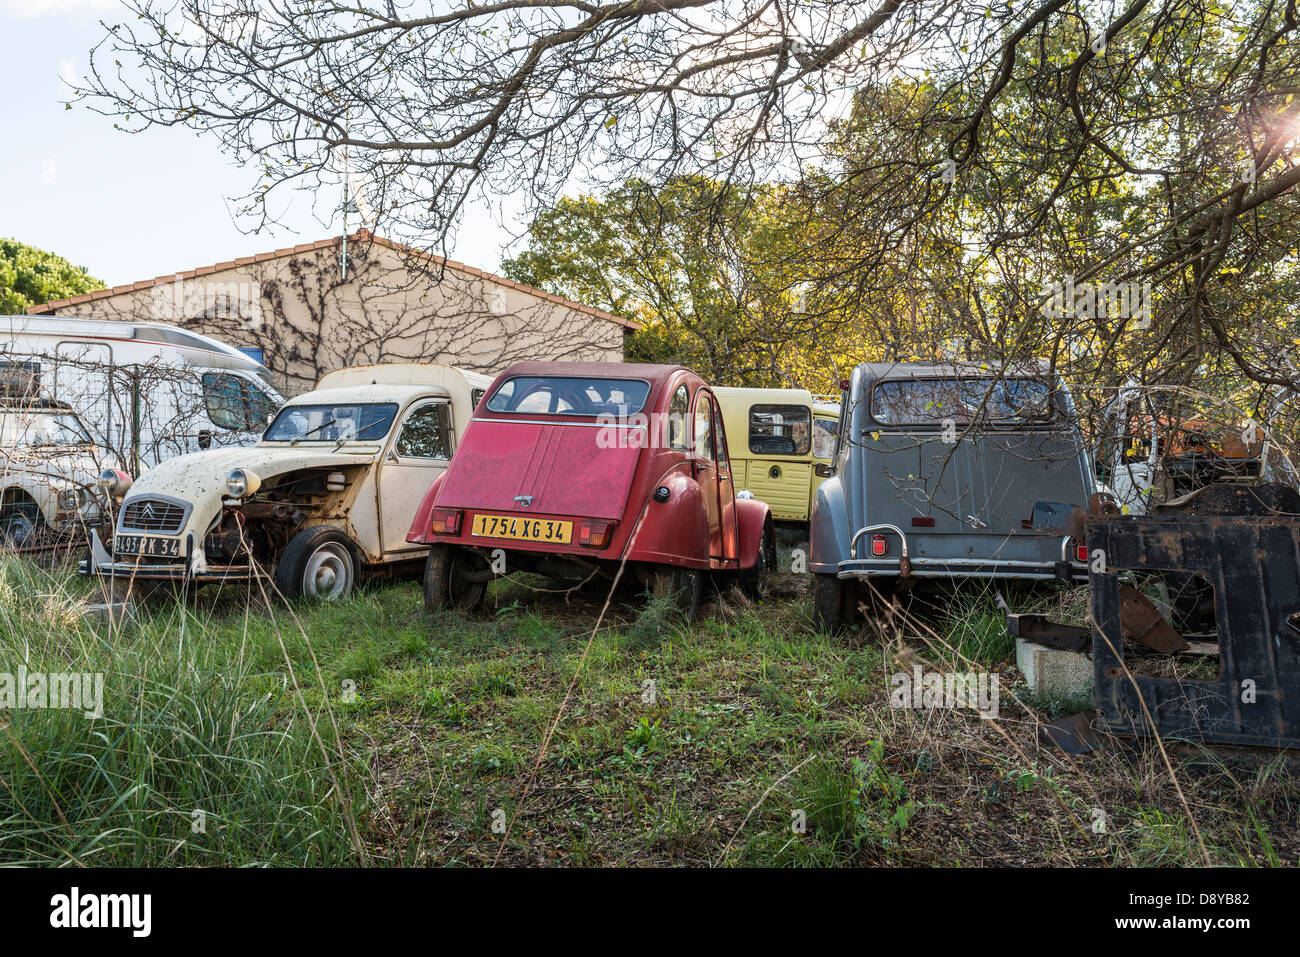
(241, 483)
(72, 498)
(114, 482)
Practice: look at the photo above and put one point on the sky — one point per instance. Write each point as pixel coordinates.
(132, 207)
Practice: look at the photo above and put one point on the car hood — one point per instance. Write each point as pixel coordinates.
(200, 477)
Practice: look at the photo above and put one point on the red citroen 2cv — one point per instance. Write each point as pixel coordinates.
(573, 469)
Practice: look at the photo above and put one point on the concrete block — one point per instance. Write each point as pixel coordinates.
(118, 611)
(1051, 673)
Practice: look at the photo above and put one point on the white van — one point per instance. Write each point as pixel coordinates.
(146, 391)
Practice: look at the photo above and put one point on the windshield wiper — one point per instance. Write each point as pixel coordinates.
(323, 425)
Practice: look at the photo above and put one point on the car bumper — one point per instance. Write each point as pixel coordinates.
(961, 568)
(909, 565)
(100, 564)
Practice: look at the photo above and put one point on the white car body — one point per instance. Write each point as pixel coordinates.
(366, 489)
(147, 391)
(49, 469)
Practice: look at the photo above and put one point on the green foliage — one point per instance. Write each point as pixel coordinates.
(715, 273)
(31, 276)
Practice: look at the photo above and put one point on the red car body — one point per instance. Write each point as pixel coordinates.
(649, 488)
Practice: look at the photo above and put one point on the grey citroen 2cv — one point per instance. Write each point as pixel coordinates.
(937, 473)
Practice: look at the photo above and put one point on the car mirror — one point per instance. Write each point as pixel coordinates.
(824, 470)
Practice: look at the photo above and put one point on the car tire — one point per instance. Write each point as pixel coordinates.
(444, 585)
(319, 564)
(680, 584)
(756, 581)
(833, 602)
(20, 525)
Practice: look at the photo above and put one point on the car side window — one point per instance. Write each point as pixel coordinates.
(426, 434)
(235, 403)
(678, 409)
(704, 448)
(720, 440)
(824, 438)
(225, 401)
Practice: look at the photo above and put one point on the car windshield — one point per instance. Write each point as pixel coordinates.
(565, 395)
(28, 428)
(332, 423)
(936, 401)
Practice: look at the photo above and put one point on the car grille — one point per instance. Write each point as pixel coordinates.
(153, 515)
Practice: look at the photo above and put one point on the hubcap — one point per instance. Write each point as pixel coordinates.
(16, 530)
(328, 574)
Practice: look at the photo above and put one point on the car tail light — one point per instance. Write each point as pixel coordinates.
(1081, 552)
(919, 521)
(595, 533)
(445, 521)
(879, 545)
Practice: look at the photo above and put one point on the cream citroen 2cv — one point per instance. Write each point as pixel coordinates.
(323, 499)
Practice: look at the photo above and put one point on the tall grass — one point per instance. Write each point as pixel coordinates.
(203, 756)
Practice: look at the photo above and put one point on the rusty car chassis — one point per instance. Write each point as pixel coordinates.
(1242, 543)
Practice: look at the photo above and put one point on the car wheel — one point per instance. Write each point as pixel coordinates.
(20, 525)
(680, 584)
(446, 579)
(318, 564)
(833, 602)
(756, 581)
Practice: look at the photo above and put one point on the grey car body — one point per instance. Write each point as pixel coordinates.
(945, 463)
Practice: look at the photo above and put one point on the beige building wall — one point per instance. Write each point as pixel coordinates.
(394, 305)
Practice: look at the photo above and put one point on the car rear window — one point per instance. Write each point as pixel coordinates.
(779, 429)
(569, 395)
(936, 401)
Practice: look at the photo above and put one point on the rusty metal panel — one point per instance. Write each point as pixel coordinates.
(1253, 563)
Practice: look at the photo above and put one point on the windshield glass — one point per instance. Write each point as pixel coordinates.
(332, 423)
(20, 428)
(564, 395)
(934, 401)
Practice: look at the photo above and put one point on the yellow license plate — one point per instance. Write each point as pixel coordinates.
(523, 529)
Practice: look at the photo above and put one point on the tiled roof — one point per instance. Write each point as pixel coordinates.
(364, 235)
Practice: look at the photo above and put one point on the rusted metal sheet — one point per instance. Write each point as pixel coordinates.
(1073, 734)
(1143, 623)
(1252, 562)
(1042, 631)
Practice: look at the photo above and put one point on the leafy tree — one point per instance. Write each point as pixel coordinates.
(712, 271)
(31, 276)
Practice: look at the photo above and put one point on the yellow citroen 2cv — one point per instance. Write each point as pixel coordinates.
(778, 438)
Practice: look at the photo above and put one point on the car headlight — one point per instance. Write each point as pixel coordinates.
(242, 482)
(72, 499)
(115, 482)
